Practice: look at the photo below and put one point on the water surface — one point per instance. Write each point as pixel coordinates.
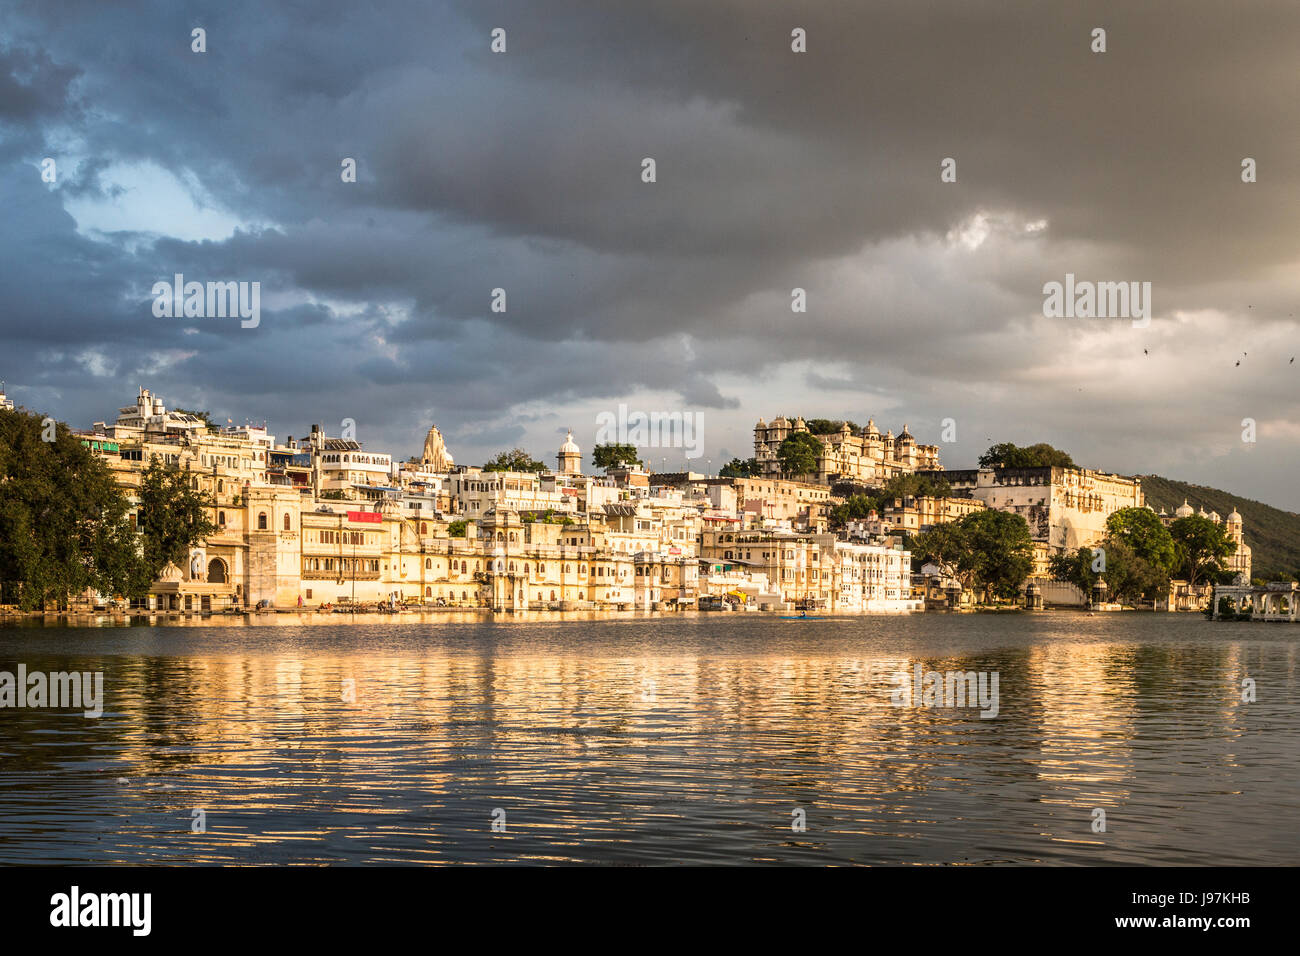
(658, 740)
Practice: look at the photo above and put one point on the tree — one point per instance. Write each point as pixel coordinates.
(947, 547)
(1008, 455)
(915, 486)
(456, 529)
(826, 426)
(172, 517)
(1128, 575)
(854, 508)
(1200, 545)
(612, 455)
(799, 454)
(736, 468)
(63, 519)
(1143, 532)
(1001, 549)
(516, 459)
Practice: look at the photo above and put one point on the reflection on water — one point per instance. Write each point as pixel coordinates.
(658, 740)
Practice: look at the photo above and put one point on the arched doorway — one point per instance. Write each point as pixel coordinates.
(216, 571)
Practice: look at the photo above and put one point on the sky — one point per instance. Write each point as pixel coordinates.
(522, 170)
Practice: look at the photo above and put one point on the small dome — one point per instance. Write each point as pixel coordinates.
(1235, 517)
(1214, 516)
(871, 427)
(569, 447)
(1184, 510)
(761, 423)
(905, 435)
(799, 422)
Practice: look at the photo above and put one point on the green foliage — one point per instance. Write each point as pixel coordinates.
(825, 426)
(334, 495)
(63, 519)
(736, 468)
(1008, 455)
(1273, 534)
(1200, 546)
(1128, 574)
(855, 508)
(799, 453)
(516, 459)
(456, 529)
(988, 550)
(1143, 532)
(915, 486)
(172, 517)
(614, 455)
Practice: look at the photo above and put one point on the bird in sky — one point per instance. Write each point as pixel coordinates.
(1145, 352)
(1238, 363)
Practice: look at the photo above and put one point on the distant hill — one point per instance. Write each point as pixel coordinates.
(1273, 534)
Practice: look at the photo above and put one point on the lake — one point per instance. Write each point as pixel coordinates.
(696, 738)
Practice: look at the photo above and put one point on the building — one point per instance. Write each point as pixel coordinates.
(1066, 508)
(866, 458)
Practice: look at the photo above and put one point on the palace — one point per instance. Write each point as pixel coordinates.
(866, 458)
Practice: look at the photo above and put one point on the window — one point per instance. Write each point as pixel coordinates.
(261, 521)
(221, 519)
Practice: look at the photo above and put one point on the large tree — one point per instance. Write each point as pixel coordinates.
(1142, 531)
(1200, 545)
(854, 508)
(1009, 455)
(516, 459)
(172, 517)
(612, 455)
(737, 468)
(915, 486)
(1129, 576)
(63, 519)
(799, 454)
(1002, 551)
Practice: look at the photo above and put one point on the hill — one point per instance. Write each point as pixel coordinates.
(1273, 534)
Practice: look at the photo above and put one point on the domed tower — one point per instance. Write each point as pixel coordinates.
(569, 457)
(905, 448)
(1184, 510)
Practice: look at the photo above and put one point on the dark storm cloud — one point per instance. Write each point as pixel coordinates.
(775, 170)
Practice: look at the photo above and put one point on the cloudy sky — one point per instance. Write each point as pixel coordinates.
(522, 170)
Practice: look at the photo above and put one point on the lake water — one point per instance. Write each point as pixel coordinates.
(724, 738)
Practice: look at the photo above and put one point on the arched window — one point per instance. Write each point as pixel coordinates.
(424, 527)
(428, 592)
(220, 487)
(428, 563)
(552, 595)
(221, 519)
(261, 521)
(288, 525)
